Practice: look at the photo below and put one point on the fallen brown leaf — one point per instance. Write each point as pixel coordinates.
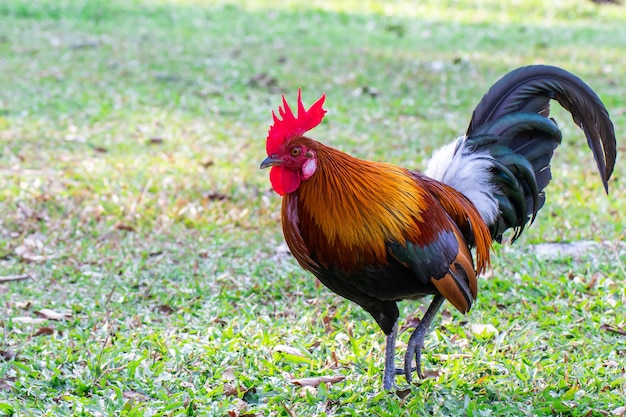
(431, 374)
(31, 248)
(156, 140)
(403, 393)
(46, 313)
(228, 374)
(44, 331)
(134, 395)
(288, 350)
(28, 320)
(30, 258)
(6, 384)
(593, 281)
(11, 278)
(316, 381)
(165, 309)
(239, 410)
(619, 411)
(99, 149)
(335, 361)
(446, 317)
(613, 329)
(215, 196)
(8, 355)
(411, 322)
(124, 227)
(230, 390)
(235, 413)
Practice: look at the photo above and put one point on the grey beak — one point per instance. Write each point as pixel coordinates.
(270, 162)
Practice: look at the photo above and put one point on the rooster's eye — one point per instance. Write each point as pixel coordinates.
(296, 151)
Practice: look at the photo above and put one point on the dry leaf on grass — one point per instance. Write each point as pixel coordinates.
(594, 279)
(46, 313)
(446, 317)
(235, 413)
(403, 393)
(228, 374)
(431, 373)
(124, 227)
(156, 140)
(232, 390)
(289, 350)
(316, 381)
(619, 411)
(165, 309)
(134, 395)
(7, 355)
(11, 278)
(334, 361)
(28, 320)
(27, 254)
(240, 409)
(32, 248)
(44, 331)
(6, 384)
(613, 329)
(35, 241)
(410, 323)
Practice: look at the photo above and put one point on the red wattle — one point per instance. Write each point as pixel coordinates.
(284, 180)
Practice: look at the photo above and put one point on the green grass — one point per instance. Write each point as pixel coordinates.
(130, 138)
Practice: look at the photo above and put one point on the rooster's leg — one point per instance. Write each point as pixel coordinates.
(416, 341)
(390, 367)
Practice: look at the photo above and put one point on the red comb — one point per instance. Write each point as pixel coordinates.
(292, 126)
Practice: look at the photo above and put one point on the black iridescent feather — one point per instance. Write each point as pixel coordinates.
(512, 122)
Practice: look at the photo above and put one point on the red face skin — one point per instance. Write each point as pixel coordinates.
(290, 167)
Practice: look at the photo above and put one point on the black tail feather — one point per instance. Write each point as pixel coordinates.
(529, 90)
(512, 123)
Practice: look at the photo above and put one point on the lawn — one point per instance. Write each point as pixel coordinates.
(151, 278)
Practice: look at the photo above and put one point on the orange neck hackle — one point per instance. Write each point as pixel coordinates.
(353, 207)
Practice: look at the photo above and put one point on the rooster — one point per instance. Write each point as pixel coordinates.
(376, 233)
